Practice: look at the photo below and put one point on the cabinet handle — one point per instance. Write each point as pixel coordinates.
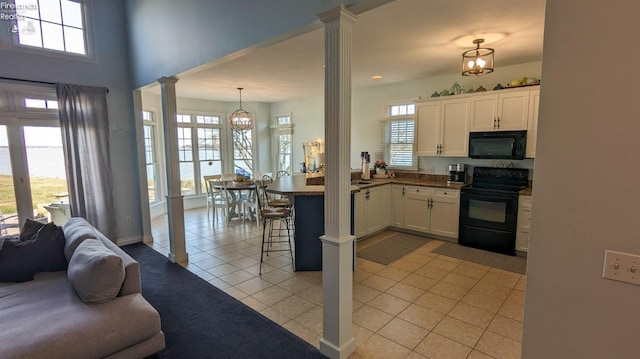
(498, 122)
(494, 123)
(403, 191)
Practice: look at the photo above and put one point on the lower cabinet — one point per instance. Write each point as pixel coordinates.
(372, 212)
(428, 210)
(524, 221)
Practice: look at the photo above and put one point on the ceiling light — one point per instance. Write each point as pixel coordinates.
(478, 61)
(241, 120)
(377, 77)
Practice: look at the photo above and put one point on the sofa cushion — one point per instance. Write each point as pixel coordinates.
(76, 230)
(95, 272)
(44, 318)
(29, 229)
(43, 252)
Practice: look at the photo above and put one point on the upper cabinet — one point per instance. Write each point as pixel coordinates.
(443, 127)
(505, 110)
(532, 127)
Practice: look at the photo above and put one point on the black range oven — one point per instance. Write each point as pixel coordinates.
(489, 209)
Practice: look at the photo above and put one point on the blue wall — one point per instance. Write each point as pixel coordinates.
(111, 69)
(169, 37)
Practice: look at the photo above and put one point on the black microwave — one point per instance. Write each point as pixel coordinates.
(508, 145)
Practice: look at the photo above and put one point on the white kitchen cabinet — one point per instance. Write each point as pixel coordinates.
(524, 222)
(372, 212)
(359, 225)
(417, 209)
(445, 211)
(397, 205)
(532, 126)
(430, 210)
(442, 128)
(504, 110)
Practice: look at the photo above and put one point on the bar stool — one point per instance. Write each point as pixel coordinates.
(274, 235)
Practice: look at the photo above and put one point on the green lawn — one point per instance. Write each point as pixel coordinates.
(43, 190)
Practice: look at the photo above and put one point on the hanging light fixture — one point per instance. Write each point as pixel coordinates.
(241, 120)
(478, 61)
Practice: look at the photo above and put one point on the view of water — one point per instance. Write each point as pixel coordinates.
(43, 162)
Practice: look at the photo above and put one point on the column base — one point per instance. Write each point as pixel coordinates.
(334, 352)
(178, 258)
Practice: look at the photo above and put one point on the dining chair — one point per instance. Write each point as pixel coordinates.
(218, 197)
(273, 239)
(209, 189)
(250, 205)
(282, 173)
(4, 226)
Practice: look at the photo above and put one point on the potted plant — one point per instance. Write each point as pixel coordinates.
(380, 167)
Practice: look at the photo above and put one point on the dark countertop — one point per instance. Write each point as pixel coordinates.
(297, 184)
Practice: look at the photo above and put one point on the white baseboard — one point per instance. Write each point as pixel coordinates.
(128, 240)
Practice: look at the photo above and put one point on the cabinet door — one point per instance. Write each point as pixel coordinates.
(484, 113)
(524, 222)
(532, 124)
(397, 206)
(427, 136)
(378, 208)
(445, 212)
(455, 127)
(359, 226)
(513, 110)
(416, 209)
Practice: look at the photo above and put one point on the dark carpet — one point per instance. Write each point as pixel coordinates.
(393, 248)
(201, 321)
(501, 261)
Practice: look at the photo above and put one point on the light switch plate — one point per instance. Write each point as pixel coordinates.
(623, 267)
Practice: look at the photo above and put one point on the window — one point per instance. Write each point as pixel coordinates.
(199, 150)
(282, 143)
(150, 155)
(397, 135)
(242, 151)
(40, 103)
(57, 25)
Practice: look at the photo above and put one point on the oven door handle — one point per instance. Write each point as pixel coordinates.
(489, 197)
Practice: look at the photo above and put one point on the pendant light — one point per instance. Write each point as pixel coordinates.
(478, 61)
(241, 120)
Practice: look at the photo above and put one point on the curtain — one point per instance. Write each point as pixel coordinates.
(85, 135)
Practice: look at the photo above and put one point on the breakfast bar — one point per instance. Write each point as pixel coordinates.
(308, 201)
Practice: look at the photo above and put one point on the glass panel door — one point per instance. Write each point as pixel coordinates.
(47, 176)
(8, 207)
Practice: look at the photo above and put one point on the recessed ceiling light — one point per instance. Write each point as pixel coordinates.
(377, 77)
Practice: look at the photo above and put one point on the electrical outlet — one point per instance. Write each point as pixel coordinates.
(129, 219)
(623, 267)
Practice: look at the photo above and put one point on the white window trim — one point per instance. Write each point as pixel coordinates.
(383, 124)
(90, 56)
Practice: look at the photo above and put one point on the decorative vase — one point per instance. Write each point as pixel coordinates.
(381, 171)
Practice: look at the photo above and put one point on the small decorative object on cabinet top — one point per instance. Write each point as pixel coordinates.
(498, 87)
(435, 94)
(481, 89)
(456, 89)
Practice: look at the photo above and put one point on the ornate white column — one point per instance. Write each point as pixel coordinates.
(337, 243)
(175, 204)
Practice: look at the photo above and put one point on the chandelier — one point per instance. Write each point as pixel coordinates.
(241, 120)
(478, 61)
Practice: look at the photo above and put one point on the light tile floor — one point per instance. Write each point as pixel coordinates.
(423, 305)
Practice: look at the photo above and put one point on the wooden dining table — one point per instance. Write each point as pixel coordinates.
(235, 190)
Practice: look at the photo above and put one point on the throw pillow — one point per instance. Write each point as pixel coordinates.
(76, 230)
(29, 229)
(44, 252)
(95, 272)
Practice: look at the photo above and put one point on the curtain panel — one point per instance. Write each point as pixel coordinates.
(85, 135)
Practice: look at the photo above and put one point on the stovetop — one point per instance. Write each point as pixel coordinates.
(499, 179)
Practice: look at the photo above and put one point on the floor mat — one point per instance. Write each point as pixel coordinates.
(502, 261)
(392, 248)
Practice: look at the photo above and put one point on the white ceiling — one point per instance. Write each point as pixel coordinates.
(402, 40)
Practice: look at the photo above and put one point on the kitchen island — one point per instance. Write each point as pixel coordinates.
(308, 202)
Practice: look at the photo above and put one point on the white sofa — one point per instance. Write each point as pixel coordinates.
(46, 318)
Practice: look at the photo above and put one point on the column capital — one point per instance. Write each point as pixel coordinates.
(337, 13)
(168, 80)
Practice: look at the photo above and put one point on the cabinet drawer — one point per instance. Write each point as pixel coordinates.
(524, 218)
(418, 190)
(446, 195)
